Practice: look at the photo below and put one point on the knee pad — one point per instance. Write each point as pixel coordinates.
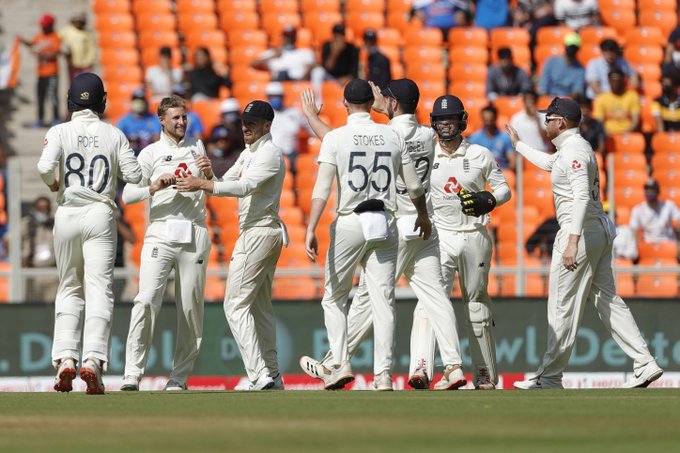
(480, 316)
(483, 345)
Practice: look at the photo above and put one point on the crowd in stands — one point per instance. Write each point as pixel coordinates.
(620, 60)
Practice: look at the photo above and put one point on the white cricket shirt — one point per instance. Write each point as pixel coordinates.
(420, 143)
(472, 167)
(91, 155)
(368, 157)
(575, 181)
(257, 180)
(656, 224)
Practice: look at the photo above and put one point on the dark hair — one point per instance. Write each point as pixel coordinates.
(504, 52)
(531, 93)
(609, 45)
(490, 108)
(616, 71)
(583, 101)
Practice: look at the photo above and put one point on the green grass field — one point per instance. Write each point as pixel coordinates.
(642, 420)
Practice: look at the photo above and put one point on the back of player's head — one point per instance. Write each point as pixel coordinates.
(358, 91)
(406, 92)
(87, 92)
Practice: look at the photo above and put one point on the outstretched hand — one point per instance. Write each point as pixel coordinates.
(514, 136)
(379, 102)
(309, 107)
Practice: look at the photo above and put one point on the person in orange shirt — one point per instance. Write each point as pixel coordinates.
(46, 46)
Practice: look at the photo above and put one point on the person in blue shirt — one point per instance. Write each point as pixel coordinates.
(491, 14)
(139, 123)
(443, 14)
(597, 69)
(564, 75)
(493, 138)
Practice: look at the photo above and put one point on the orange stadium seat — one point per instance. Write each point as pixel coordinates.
(151, 57)
(209, 112)
(205, 38)
(636, 55)
(468, 36)
(669, 6)
(417, 55)
(111, 56)
(309, 6)
(669, 177)
(630, 178)
(111, 7)
(468, 89)
(633, 142)
(663, 142)
(649, 72)
(626, 160)
(117, 39)
(225, 7)
(509, 37)
(464, 71)
(400, 5)
(647, 120)
(433, 72)
(141, 7)
(401, 20)
(660, 19)
(595, 34)
(671, 193)
(195, 6)
(651, 89)
(194, 22)
(359, 21)
(588, 52)
(246, 92)
(658, 250)
(321, 25)
(369, 6)
(552, 35)
(156, 22)
(628, 196)
(218, 55)
(469, 55)
(425, 37)
(117, 22)
(244, 37)
(644, 36)
(239, 20)
(123, 73)
(280, 6)
(244, 74)
(244, 55)
(157, 39)
(625, 286)
(508, 105)
(121, 91)
(619, 19)
(544, 51)
(304, 38)
(274, 22)
(389, 37)
(521, 56)
(664, 160)
(116, 108)
(657, 286)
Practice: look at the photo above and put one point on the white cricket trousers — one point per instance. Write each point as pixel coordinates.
(348, 248)
(593, 280)
(469, 254)
(85, 249)
(248, 299)
(158, 259)
(419, 261)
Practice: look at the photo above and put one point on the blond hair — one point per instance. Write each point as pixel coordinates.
(169, 103)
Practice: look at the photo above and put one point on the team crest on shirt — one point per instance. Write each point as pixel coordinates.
(154, 252)
(466, 165)
(452, 185)
(575, 165)
(45, 144)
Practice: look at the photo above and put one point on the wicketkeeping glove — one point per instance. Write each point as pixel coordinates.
(476, 203)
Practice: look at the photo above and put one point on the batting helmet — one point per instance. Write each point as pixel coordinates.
(87, 92)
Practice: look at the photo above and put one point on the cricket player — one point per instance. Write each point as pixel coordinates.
(419, 260)
(581, 268)
(257, 180)
(176, 238)
(460, 173)
(366, 159)
(90, 155)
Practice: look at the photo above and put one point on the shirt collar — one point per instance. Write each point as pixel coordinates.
(259, 143)
(85, 115)
(406, 119)
(564, 136)
(460, 152)
(359, 117)
(170, 141)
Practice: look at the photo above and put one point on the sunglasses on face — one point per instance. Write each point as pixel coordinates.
(550, 118)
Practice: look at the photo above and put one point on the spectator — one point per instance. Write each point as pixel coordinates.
(222, 148)
(378, 68)
(37, 243)
(625, 243)
(506, 79)
(443, 14)
(529, 123)
(618, 109)
(564, 75)
(287, 62)
(533, 14)
(493, 138)
(541, 241)
(339, 59)
(288, 123)
(162, 77)
(666, 108)
(139, 123)
(46, 46)
(230, 119)
(591, 129)
(491, 14)
(653, 219)
(79, 46)
(577, 14)
(671, 61)
(195, 127)
(203, 80)
(598, 69)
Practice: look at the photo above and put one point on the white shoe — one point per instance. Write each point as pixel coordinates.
(339, 377)
(453, 378)
(536, 383)
(66, 373)
(483, 380)
(245, 386)
(383, 382)
(175, 386)
(278, 383)
(419, 379)
(314, 368)
(91, 373)
(130, 384)
(264, 382)
(641, 379)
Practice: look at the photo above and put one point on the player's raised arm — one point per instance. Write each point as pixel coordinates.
(311, 112)
(542, 160)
